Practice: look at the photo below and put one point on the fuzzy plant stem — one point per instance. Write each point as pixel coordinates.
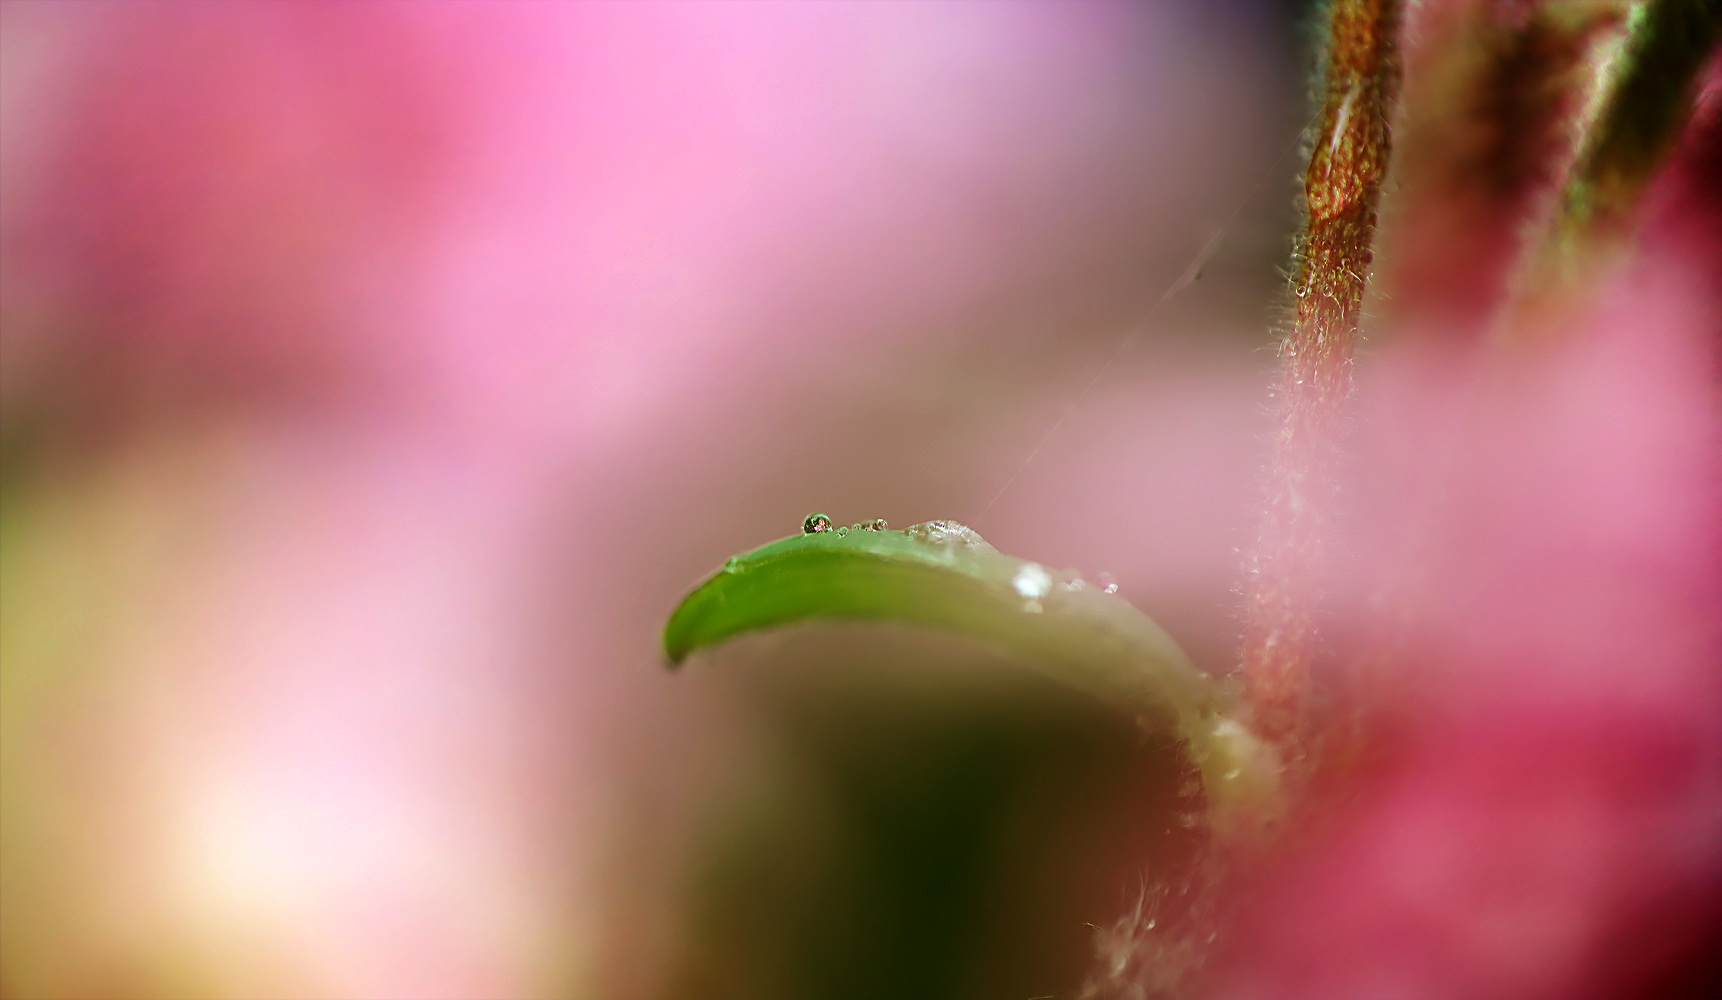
(1341, 189)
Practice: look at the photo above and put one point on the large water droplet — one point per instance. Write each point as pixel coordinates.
(1032, 582)
(815, 523)
(952, 533)
(877, 524)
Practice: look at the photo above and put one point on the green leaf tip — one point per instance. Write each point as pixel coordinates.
(941, 574)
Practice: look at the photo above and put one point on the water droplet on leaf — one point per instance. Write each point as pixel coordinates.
(1032, 582)
(948, 533)
(1107, 582)
(815, 523)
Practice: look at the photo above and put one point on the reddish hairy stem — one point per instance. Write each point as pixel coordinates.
(1341, 189)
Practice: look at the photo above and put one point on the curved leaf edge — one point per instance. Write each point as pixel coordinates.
(1055, 622)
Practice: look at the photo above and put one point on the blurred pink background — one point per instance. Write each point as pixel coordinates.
(376, 378)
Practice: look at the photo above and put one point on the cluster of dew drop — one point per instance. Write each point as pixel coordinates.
(1034, 581)
(818, 524)
(1031, 582)
(944, 532)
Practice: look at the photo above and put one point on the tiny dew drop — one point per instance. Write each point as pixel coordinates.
(732, 564)
(815, 523)
(877, 524)
(841, 531)
(1107, 582)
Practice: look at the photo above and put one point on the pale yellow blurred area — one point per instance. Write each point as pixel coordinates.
(194, 803)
